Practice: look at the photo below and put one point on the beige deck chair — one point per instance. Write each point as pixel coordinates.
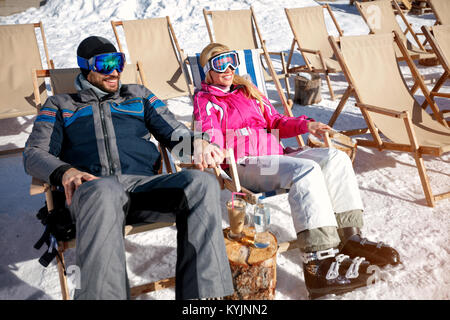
(19, 53)
(238, 30)
(62, 81)
(370, 66)
(311, 38)
(441, 10)
(439, 39)
(153, 43)
(380, 18)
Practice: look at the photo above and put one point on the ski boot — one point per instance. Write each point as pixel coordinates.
(378, 254)
(327, 272)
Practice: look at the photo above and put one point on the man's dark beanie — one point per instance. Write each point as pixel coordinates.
(92, 46)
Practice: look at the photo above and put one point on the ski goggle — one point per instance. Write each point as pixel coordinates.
(104, 63)
(221, 62)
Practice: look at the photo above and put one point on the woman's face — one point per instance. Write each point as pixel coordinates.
(222, 79)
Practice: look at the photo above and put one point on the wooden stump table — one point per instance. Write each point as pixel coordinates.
(254, 270)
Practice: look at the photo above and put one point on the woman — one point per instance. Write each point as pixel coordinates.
(323, 192)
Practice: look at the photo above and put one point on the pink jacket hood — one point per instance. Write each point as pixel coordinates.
(234, 121)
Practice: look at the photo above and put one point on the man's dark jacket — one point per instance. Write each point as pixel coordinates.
(107, 136)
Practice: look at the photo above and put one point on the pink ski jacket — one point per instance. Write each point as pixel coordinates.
(234, 121)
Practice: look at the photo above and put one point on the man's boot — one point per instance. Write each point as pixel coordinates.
(353, 244)
(327, 272)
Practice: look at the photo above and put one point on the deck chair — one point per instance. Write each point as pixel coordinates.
(153, 43)
(230, 177)
(16, 90)
(441, 10)
(380, 18)
(239, 30)
(406, 3)
(62, 81)
(439, 39)
(250, 66)
(311, 38)
(370, 66)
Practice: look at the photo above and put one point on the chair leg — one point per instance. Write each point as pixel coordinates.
(288, 87)
(327, 77)
(424, 180)
(62, 276)
(286, 75)
(436, 87)
(340, 106)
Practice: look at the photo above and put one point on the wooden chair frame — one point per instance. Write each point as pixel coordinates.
(262, 45)
(350, 90)
(177, 50)
(377, 142)
(308, 67)
(28, 113)
(398, 11)
(445, 65)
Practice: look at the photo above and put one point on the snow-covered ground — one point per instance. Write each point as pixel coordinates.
(395, 210)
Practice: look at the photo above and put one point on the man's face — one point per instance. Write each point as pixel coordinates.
(108, 83)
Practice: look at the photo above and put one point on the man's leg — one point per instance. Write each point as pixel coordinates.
(98, 211)
(193, 198)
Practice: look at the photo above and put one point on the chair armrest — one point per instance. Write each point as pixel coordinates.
(391, 113)
(38, 186)
(309, 50)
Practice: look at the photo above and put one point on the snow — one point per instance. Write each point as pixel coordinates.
(395, 209)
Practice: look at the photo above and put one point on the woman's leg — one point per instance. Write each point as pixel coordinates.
(325, 271)
(312, 212)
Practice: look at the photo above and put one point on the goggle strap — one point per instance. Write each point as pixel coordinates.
(83, 63)
(206, 68)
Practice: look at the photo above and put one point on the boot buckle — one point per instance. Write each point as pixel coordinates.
(352, 272)
(319, 255)
(333, 272)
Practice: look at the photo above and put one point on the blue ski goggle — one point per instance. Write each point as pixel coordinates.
(104, 63)
(221, 62)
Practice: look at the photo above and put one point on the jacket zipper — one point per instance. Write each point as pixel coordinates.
(105, 136)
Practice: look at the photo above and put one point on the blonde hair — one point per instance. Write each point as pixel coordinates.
(250, 90)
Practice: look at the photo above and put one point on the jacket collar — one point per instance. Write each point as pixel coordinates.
(219, 91)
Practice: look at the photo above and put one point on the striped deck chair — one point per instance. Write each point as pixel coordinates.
(441, 10)
(16, 89)
(250, 66)
(439, 38)
(224, 25)
(380, 18)
(62, 81)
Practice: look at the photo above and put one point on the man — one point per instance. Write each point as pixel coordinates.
(95, 144)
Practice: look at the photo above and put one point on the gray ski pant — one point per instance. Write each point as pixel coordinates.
(100, 209)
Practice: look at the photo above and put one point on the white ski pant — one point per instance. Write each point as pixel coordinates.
(321, 182)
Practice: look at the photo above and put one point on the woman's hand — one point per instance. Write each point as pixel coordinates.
(207, 155)
(72, 179)
(318, 129)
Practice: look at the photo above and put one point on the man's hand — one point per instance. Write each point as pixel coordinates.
(206, 155)
(318, 129)
(72, 179)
